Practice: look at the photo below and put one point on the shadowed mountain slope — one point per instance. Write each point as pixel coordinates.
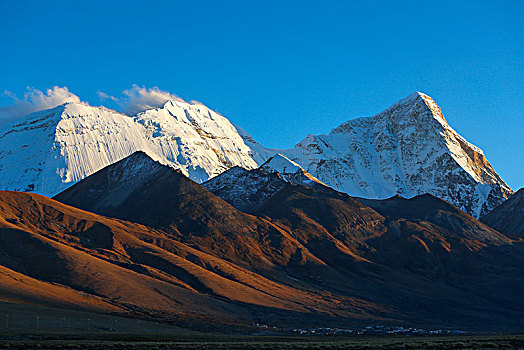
(418, 260)
(425, 236)
(508, 217)
(56, 255)
(141, 190)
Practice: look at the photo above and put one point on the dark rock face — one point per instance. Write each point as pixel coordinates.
(508, 217)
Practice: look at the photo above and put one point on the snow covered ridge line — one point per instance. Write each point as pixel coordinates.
(50, 150)
(407, 149)
(249, 190)
(289, 170)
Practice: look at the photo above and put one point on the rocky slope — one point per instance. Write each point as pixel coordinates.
(56, 255)
(407, 149)
(424, 235)
(52, 149)
(141, 190)
(508, 217)
(248, 190)
(312, 250)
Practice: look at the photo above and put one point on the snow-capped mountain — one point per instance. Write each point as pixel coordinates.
(407, 149)
(289, 170)
(248, 190)
(194, 139)
(50, 150)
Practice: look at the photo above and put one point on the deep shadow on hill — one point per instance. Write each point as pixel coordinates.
(141, 240)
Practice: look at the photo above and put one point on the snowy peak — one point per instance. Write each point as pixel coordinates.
(195, 139)
(432, 105)
(424, 106)
(414, 97)
(49, 118)
(249, 190)
(281, 164)
(407, 149)
(417, 108)
(289, 170)
(52, 149)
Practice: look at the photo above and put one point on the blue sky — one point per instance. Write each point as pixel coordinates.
(283, 69)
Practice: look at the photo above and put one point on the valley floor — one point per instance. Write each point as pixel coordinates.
(208, 341)
(70, 329)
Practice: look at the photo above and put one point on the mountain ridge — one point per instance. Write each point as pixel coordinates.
(62, 145)
(408, 149)
(247, 190)
(389, 252)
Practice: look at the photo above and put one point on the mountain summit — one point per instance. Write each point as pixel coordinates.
(407, 149)
(248, 190)
(51, 150)
(289, 170)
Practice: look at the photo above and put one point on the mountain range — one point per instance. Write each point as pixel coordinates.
(155, 244)
(177, 215)
(407, 149)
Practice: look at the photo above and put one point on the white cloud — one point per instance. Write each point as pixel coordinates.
(34, 100)
(103, 96)
(138, 99)
(131, 101)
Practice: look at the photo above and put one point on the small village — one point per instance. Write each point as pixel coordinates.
(367, 330)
